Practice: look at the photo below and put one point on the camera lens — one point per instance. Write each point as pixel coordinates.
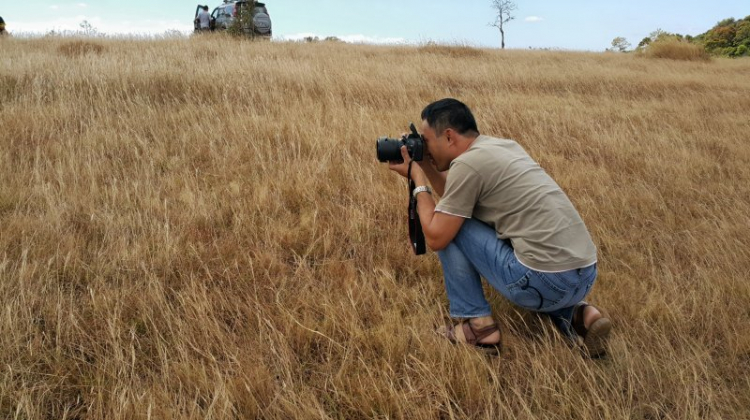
(389, 150)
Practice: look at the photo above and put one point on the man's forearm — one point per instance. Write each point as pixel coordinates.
(437, 179)
(425, 204)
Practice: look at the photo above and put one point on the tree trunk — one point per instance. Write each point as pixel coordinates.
(502, 38)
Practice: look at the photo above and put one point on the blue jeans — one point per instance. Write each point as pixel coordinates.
(476, 251)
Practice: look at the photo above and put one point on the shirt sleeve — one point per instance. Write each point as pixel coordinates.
(462, 189)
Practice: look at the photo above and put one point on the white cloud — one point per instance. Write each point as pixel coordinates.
(124, 27)
(82, 5)
(353, 38)
(534, 19)
(54, 7)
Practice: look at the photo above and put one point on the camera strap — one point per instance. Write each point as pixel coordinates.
(415, 226)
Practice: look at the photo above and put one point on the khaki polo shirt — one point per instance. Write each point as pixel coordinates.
(498, 183)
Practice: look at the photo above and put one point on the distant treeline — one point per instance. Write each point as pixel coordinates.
(729, 38)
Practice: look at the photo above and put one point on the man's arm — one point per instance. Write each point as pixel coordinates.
(439, 228)
(437, 179)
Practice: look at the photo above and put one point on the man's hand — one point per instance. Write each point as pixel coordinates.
(401, 168)
(417, 174)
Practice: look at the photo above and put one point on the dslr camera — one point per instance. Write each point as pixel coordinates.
(389, 150)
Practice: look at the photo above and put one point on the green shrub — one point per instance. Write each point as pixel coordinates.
(243, 22)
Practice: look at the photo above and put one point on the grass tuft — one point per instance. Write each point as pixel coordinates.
(454, 51)
(80, 48)
(674, 49)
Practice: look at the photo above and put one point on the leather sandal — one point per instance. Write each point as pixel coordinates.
(594, 337)
(472, 336)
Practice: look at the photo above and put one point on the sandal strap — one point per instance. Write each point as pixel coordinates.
(473, 336)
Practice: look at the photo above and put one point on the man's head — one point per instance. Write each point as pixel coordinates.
(449, 128)
(205, 8)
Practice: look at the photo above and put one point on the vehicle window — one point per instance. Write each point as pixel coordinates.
(260, 9)
(215, 13)
(229, 9)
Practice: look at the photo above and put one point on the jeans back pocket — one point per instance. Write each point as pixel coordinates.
(536, 291)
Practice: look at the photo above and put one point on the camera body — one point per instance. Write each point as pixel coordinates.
(389, 150)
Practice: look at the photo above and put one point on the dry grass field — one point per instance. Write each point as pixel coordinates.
(199, 229)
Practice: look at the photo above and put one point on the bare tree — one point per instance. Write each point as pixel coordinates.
(504, 10)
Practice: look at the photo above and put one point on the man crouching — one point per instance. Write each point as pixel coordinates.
(501, 217)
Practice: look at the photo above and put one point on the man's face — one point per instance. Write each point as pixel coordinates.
(437, 147)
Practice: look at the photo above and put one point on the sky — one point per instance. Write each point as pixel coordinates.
(589, 25)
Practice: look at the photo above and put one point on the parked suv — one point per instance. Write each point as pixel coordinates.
(224, 16)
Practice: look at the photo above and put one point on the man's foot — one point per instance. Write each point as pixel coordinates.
(593, 327)
(482, 333)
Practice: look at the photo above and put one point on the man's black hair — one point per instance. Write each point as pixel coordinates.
(205, 8)
(450, 113)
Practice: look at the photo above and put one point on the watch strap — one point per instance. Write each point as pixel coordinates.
(422, 188)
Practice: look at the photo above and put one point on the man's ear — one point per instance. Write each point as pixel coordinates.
(450, 134)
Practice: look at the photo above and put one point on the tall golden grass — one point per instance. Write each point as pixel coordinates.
(198, 228)
(676, 49)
